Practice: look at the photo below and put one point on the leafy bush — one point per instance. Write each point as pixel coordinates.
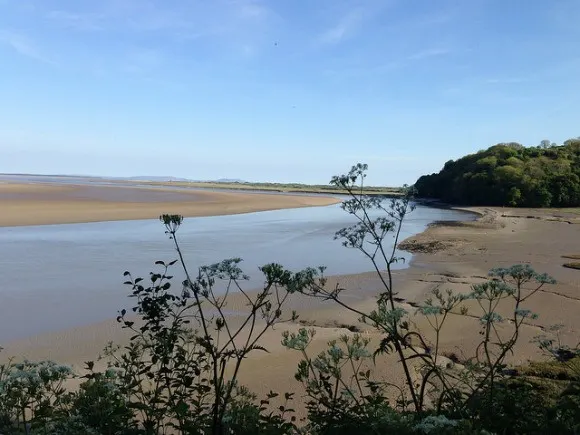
(32, 394)
(544, 404)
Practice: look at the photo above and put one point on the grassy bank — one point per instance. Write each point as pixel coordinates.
(276, 187)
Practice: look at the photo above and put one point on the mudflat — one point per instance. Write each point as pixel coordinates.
(40, 204)
(447, 256)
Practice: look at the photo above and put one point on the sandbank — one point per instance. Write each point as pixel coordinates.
(41, 204)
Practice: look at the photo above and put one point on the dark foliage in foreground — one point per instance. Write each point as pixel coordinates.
(510, 174)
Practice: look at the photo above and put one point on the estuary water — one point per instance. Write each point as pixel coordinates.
(60, 276)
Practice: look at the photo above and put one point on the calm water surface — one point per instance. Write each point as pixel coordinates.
(60, 276)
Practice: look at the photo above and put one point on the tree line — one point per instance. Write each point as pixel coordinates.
(510, 174)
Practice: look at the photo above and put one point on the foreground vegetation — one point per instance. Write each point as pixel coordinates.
(510, 174)
(180, 371)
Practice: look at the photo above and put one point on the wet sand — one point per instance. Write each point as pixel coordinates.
(448, 256)
(41, 204)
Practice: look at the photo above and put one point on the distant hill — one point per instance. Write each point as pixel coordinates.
(230, 180)
(157, 178)
(509, 174)
(154, 178)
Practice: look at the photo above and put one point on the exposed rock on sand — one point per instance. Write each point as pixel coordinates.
(425, 246)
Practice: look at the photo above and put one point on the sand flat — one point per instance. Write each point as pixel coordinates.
(40, 204)
(501, 237)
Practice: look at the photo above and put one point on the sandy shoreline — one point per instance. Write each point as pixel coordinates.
(447, 255)
(43, 204)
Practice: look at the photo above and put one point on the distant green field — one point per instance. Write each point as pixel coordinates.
(278, 187)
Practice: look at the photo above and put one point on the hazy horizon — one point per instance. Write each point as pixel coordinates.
(154, 178)
(271, 91)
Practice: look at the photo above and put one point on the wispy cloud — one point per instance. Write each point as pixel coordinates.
(161, 16)
(76, 21)
(250, 9)
(345, 28)
(429, 20)
(153, 18)
(388, 66)
(238, 25)
(24, 46)
(249, 26)
(240, 29)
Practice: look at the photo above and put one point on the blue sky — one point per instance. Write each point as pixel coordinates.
(280, 90)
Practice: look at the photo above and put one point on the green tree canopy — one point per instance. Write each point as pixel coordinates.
(510, 174)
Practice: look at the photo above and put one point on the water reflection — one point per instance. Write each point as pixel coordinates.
(59, 276)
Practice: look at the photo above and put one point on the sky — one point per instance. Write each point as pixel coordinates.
(280, 90)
